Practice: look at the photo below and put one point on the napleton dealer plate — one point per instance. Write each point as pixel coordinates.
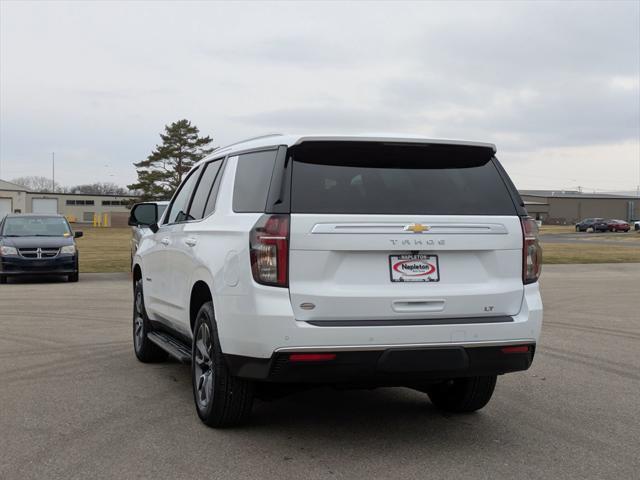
(414, 268)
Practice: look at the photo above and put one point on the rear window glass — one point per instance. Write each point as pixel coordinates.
(376, 178)
(253, 177)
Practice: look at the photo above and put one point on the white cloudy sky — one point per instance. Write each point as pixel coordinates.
(555, 85)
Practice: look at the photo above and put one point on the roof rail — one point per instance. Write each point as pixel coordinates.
(259, 137)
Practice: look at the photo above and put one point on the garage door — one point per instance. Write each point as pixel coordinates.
(44, 205)
(5, 206)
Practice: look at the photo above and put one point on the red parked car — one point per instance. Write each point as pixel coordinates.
(618, 226)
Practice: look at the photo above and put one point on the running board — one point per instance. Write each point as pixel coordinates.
(173, 347)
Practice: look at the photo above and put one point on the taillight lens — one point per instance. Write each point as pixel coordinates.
(270, 250)
(531, 251)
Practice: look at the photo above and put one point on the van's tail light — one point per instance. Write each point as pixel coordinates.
(270, 250)
(531, 251)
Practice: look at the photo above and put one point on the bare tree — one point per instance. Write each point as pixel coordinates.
(36, 183)
(99, 188)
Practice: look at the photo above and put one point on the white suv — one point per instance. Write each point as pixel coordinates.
(287, 261)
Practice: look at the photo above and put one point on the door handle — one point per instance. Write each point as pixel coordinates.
(191, 242)
(165, 241)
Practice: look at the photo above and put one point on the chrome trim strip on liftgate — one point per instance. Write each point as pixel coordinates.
(401, 228)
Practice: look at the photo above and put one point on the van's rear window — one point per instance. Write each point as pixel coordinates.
(382, 178)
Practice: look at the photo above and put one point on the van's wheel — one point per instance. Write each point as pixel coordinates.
(3, 279)
(463, 395)
(145, 350)
(73, 277)
(221, 399)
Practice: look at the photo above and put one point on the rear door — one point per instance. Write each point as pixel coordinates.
(186, 237)
(391, 232)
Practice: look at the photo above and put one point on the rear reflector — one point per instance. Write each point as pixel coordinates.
(311, 357)
(516, 349)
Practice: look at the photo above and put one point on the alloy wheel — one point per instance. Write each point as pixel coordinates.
(203, 367)
(138, 322)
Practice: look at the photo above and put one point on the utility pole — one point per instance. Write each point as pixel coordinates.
(53, 170)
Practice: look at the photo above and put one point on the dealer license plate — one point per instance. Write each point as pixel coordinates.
(414, 268)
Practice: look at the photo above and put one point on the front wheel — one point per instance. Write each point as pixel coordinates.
(221, 399)
(3, 279)
(463, 395)
(146, 351)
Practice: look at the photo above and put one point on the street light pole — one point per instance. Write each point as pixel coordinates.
(53, 171)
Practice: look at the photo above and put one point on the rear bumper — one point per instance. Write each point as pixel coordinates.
(387, 367)
(256, 326)
(60, 265)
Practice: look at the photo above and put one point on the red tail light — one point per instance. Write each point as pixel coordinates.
(531, 251)
(270, 250)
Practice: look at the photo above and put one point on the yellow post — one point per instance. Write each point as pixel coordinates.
(105, 220)
(95, 220)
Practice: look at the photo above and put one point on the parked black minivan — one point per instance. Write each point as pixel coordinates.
(35, 244)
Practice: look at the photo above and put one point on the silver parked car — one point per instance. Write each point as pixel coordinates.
(152, 212)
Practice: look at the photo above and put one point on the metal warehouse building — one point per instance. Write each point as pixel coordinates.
(78, 208)
(568, 207)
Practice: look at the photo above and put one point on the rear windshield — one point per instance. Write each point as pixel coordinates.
(36, 227)
(377, 178)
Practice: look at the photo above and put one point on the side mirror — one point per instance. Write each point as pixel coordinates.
(77, 234)
(143, 215)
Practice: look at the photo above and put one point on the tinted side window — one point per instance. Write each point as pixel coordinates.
(397, 179)
(203, 191)
(180, 202)
(211, 203)
(253, 178)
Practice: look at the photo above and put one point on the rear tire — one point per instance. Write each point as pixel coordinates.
(221, 399)
(3, 279)
(73, 277)
(463, 395)
(146, 351)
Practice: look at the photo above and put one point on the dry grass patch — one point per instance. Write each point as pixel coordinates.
(544, 229)
(104, 249)
(588, 253)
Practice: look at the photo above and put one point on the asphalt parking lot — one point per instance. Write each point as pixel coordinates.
(75, 403)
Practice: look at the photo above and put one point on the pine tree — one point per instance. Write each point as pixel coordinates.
(161, 173)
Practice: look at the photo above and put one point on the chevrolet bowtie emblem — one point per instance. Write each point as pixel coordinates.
(417, 228)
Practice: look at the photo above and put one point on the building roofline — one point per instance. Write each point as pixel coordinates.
(19, 188)
(108, 195)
